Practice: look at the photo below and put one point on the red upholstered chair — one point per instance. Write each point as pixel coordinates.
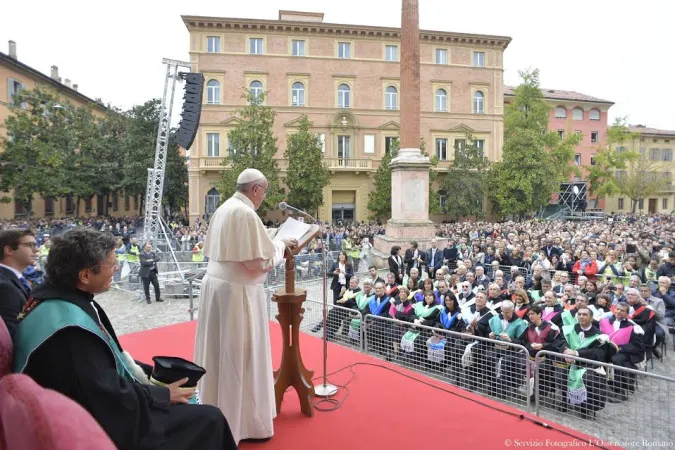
(34, 418)
(6, 350)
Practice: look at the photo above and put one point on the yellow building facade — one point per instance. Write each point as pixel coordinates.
(16, 76)
(346, 79)
(658, 146)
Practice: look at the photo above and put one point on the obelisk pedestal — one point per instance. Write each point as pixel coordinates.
(410, 169)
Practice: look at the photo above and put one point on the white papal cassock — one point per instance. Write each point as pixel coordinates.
(233, 341)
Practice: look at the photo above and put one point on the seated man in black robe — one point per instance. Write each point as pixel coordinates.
(65, 342)
(583, 385)
(627, 337)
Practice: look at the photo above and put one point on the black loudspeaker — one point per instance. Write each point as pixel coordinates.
(192, 108)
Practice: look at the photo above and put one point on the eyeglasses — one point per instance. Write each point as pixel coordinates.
(32, 245)
(116, 265)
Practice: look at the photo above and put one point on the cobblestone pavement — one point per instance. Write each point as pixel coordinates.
(648, 414)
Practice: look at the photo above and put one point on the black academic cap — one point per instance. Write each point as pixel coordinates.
(169, 369)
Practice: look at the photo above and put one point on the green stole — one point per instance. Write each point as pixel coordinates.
(513, 329)
(47, 319)
(362, 301)
(576, 390)
(51, 316)
(422, 312)
(568, 318)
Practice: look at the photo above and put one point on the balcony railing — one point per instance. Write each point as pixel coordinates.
(212, 163)
(333, 164)
(349, 164)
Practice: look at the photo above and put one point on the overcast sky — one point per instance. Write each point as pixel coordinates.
(616, 50)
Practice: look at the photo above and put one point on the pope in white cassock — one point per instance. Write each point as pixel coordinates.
(233, 341)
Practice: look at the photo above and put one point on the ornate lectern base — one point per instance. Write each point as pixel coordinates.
(292, 371)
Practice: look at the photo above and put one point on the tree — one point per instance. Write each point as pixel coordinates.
(467, 176)
(535, 161)
(40, 138)
(253, 145)
(379, 199)
(641, 179)
(622, 168)
(307, 174)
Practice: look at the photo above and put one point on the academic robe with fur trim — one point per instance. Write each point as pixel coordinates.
(233, 341)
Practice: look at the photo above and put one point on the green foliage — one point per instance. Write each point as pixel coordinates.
(607, 161)
(253, 145)
(628, 172)
(468, 179)
(535, 161)
(57, 149)
(379, 199)
(307, 174)
(38, 144)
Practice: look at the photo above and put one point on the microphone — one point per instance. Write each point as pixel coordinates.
(283, 206)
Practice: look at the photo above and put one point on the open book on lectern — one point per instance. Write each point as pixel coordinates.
(294, 229)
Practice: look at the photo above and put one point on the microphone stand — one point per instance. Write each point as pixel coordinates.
(324, 389)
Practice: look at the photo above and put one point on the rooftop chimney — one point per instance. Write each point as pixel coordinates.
(12, 49)
(75, 86)
(55, 73)
(67, 83)
(300, 16)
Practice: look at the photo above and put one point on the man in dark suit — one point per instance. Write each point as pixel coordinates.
(148, 272)
(434, 259)
(18, 250)
(551, 249)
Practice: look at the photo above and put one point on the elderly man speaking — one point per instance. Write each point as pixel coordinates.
(233, 341)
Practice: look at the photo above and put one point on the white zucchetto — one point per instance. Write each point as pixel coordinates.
(249, 176)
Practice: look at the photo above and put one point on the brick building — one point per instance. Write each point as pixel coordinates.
(346, 79)
(572, 112)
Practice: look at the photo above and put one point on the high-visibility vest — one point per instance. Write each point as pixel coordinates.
(198, 256)
(133, 254)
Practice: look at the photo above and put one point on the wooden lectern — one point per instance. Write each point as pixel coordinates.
(292, 372)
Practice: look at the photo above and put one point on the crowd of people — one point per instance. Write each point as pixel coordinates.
(534, 283)
(601, 291)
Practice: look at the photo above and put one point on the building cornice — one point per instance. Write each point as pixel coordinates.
(201, 23)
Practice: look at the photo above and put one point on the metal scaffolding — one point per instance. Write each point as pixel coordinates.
(155, 187)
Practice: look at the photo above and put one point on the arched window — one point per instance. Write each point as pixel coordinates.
(298, 94)
(478, 103)
(594, 114)
(441, 100)
(212, 201)
(256, 89)
(344, 93)
(577, 114)
(560, 112)
(391, 98)
(213, 92)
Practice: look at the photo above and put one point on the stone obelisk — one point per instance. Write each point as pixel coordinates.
(410, 169)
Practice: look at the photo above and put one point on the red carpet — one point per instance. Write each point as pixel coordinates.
(383, 409)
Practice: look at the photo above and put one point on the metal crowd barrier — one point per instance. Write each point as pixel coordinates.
(485, 366)
(342, 324)
(645, 416)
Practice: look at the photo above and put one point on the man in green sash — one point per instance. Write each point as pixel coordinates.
(65, 342)
(503, 365)
(583, 385)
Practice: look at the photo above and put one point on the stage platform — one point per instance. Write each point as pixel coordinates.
(383, 407)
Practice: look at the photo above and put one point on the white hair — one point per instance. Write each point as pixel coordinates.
(508, 304)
